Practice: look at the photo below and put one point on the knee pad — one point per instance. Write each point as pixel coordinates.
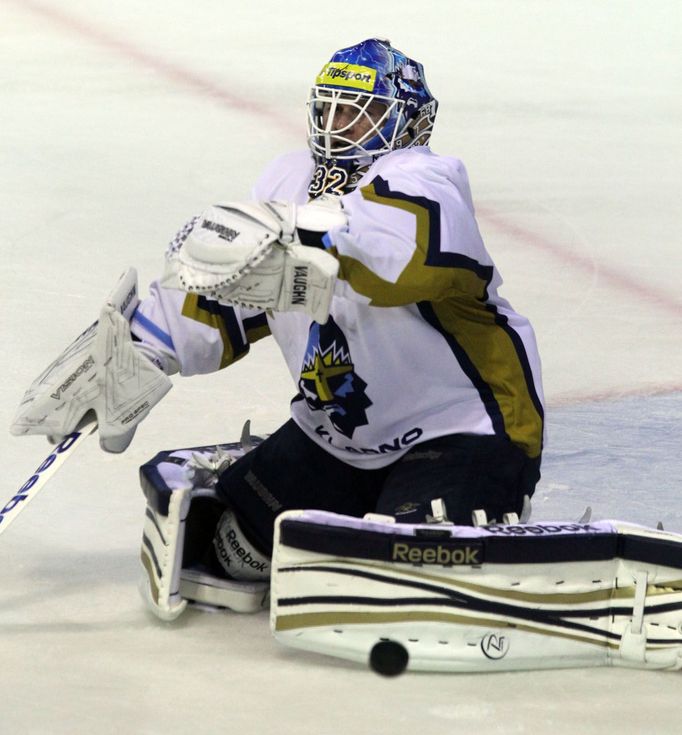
(235, 552)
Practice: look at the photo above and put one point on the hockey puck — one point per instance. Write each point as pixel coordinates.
(388, 658)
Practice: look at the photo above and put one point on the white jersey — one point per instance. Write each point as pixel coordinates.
(418, 343)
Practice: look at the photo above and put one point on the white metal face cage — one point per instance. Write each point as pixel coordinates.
(352, 125)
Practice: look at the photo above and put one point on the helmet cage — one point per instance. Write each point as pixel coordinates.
(331, 140)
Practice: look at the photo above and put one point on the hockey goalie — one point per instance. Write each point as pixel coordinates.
(388, 517)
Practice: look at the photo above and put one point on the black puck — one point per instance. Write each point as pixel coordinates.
(388, 658)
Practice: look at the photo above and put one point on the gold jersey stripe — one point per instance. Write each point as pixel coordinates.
(192, 310)
(458, 299)
(418, 281)
(256, 333)
(495, 357)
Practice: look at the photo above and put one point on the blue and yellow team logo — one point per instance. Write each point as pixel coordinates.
(329, 382)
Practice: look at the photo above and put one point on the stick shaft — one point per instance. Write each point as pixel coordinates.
(43, 474)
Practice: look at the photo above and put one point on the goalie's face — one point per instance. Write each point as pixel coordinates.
(349, 125)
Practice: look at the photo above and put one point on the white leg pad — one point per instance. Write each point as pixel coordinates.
(493, 598)
(166, 587)
(172, 482)
(161, 554)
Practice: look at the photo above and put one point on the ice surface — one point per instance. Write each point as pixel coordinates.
(119, 120)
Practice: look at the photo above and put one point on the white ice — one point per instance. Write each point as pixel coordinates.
(120, 120)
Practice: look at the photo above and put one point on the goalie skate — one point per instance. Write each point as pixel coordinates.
(527, 596)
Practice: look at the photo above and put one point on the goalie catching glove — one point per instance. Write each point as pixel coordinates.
(250, 254)
(103, 372)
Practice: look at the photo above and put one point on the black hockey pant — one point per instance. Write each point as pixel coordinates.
(288, 471)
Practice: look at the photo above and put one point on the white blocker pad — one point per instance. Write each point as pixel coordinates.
(100, 372)
(528, 596)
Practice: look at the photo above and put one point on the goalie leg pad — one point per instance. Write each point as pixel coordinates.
(546, 595)
(180, 521)
(162, 546)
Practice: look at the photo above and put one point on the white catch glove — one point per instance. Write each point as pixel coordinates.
(249, 254)
(100, 371)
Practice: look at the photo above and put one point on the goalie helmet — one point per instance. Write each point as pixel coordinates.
(368, 100)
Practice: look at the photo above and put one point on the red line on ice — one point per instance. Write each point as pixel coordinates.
(192, 80)
(616, 279)
(576, 398)
(212, 90)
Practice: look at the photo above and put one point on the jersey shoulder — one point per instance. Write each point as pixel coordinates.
(419, 172)
(286, 177)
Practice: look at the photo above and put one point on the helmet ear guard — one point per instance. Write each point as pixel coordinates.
(418, 130)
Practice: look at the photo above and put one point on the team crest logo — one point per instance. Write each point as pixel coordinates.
(329, 382)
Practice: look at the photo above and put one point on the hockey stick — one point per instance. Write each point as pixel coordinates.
(40, 477)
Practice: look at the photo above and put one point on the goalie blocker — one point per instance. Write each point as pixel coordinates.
(102, 372)
(499, 597)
